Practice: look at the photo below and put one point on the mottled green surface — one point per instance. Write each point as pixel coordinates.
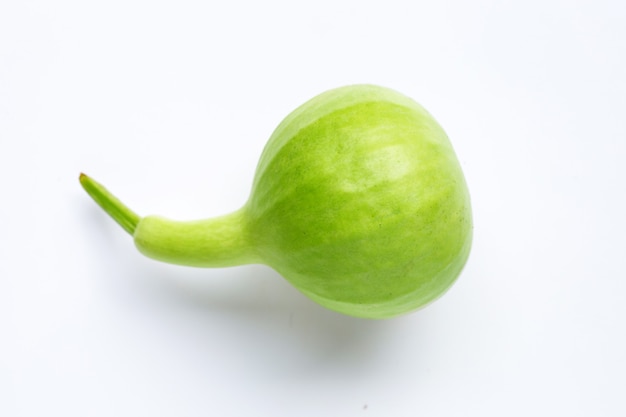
(358, 200)
(363, 205)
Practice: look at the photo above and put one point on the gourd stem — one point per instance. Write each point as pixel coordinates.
(124, 216)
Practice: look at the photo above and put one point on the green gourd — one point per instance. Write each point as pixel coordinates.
(358, 200)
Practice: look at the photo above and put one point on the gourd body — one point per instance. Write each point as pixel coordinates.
(358, 200)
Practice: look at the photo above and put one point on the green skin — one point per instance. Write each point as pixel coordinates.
(358, 200)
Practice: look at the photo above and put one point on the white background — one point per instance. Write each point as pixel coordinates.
(169, 104)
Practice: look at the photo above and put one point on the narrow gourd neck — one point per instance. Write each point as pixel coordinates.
(216, 242)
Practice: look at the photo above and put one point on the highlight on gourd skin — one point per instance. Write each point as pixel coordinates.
(358, 200)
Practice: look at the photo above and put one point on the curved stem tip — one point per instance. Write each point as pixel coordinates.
(124, 216)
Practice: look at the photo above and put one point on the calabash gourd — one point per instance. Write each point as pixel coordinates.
(358, 200)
